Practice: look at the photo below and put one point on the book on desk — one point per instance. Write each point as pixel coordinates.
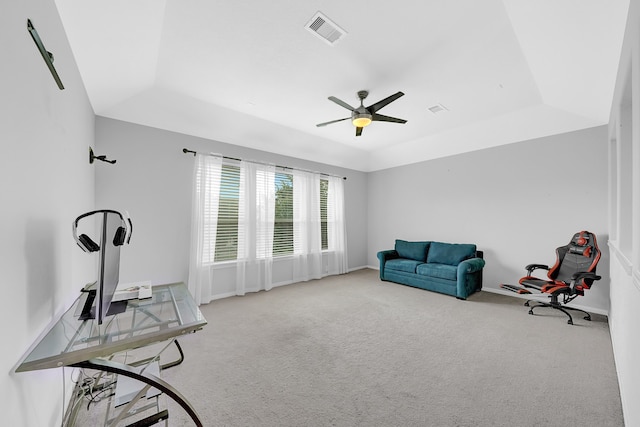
(127, 291)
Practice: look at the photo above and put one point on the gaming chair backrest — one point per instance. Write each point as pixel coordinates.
(580, 255)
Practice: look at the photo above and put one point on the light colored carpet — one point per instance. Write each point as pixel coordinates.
(351, 350)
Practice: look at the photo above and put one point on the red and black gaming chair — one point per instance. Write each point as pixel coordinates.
(572, 274)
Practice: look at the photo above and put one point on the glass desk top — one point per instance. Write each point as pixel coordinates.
(170, 312)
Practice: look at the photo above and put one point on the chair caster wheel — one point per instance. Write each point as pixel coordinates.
(526, 304)
(570, 322)
(587, 318)
(530, 311)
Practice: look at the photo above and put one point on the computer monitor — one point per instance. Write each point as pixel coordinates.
(114, 232)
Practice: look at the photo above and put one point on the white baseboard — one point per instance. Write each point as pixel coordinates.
(485, 289)
(533, 298)
(220, 296)
(274, 285)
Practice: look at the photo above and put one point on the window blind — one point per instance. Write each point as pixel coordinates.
(227, 230)
(324, 190)
(283, 224)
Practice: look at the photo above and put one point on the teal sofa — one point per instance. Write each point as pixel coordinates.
(449, 268)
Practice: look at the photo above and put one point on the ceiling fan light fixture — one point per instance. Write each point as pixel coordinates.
(361, 120)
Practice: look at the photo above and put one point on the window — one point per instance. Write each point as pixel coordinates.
(227, 230)
(234, 225)
(283, 225)
(324, 190)
(227, 225)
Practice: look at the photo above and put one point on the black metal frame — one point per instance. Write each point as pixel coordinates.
(567, 298)
(557, 305)
(149, 379)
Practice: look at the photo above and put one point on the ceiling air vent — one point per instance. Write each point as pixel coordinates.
(438, 108)
(323, 28)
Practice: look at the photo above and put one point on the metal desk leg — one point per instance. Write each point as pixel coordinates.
(152, 380)
(175, 362)
(168, 365)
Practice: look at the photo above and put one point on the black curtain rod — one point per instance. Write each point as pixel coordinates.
(187, 151)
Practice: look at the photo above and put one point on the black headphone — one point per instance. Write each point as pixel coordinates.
(121, 236)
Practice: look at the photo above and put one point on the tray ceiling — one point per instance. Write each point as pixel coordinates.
(250, 73)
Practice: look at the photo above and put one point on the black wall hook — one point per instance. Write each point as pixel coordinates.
(93, 157)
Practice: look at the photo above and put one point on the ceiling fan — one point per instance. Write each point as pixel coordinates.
(363, 116)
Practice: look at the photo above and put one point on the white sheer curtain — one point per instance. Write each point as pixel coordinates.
(256, 220)
(256, 216)
(336, 227)
(307, 234)
(204, 221)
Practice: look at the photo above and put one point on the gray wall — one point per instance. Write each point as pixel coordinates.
(517, 202)
(152, 180)
(45, 182)
(624, 178)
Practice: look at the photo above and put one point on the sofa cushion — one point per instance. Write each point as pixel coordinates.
(412, 250)
(450, 253)
(441, 271)
(402, 264)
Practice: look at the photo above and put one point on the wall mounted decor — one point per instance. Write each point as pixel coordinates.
(46, 55)
(102, 158)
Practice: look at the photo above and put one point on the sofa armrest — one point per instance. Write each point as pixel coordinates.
(471, 265)
(383, 257)
(468, 280)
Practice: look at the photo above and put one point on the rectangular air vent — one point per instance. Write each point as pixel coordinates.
(323, 28)
(438, 108)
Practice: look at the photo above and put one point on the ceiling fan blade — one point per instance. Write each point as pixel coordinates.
(358, 131)
(341, 103)
(378, 105)
(381, 118)
(332, 121)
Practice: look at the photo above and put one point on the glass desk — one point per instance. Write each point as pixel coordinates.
(169, 313)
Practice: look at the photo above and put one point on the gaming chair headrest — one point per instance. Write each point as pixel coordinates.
(121, 236)
(581, 238)
(582, 244)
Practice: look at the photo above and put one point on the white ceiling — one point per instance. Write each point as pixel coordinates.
(249, 73)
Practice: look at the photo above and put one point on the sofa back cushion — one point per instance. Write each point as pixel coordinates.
(450, 253)
(412, 250)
